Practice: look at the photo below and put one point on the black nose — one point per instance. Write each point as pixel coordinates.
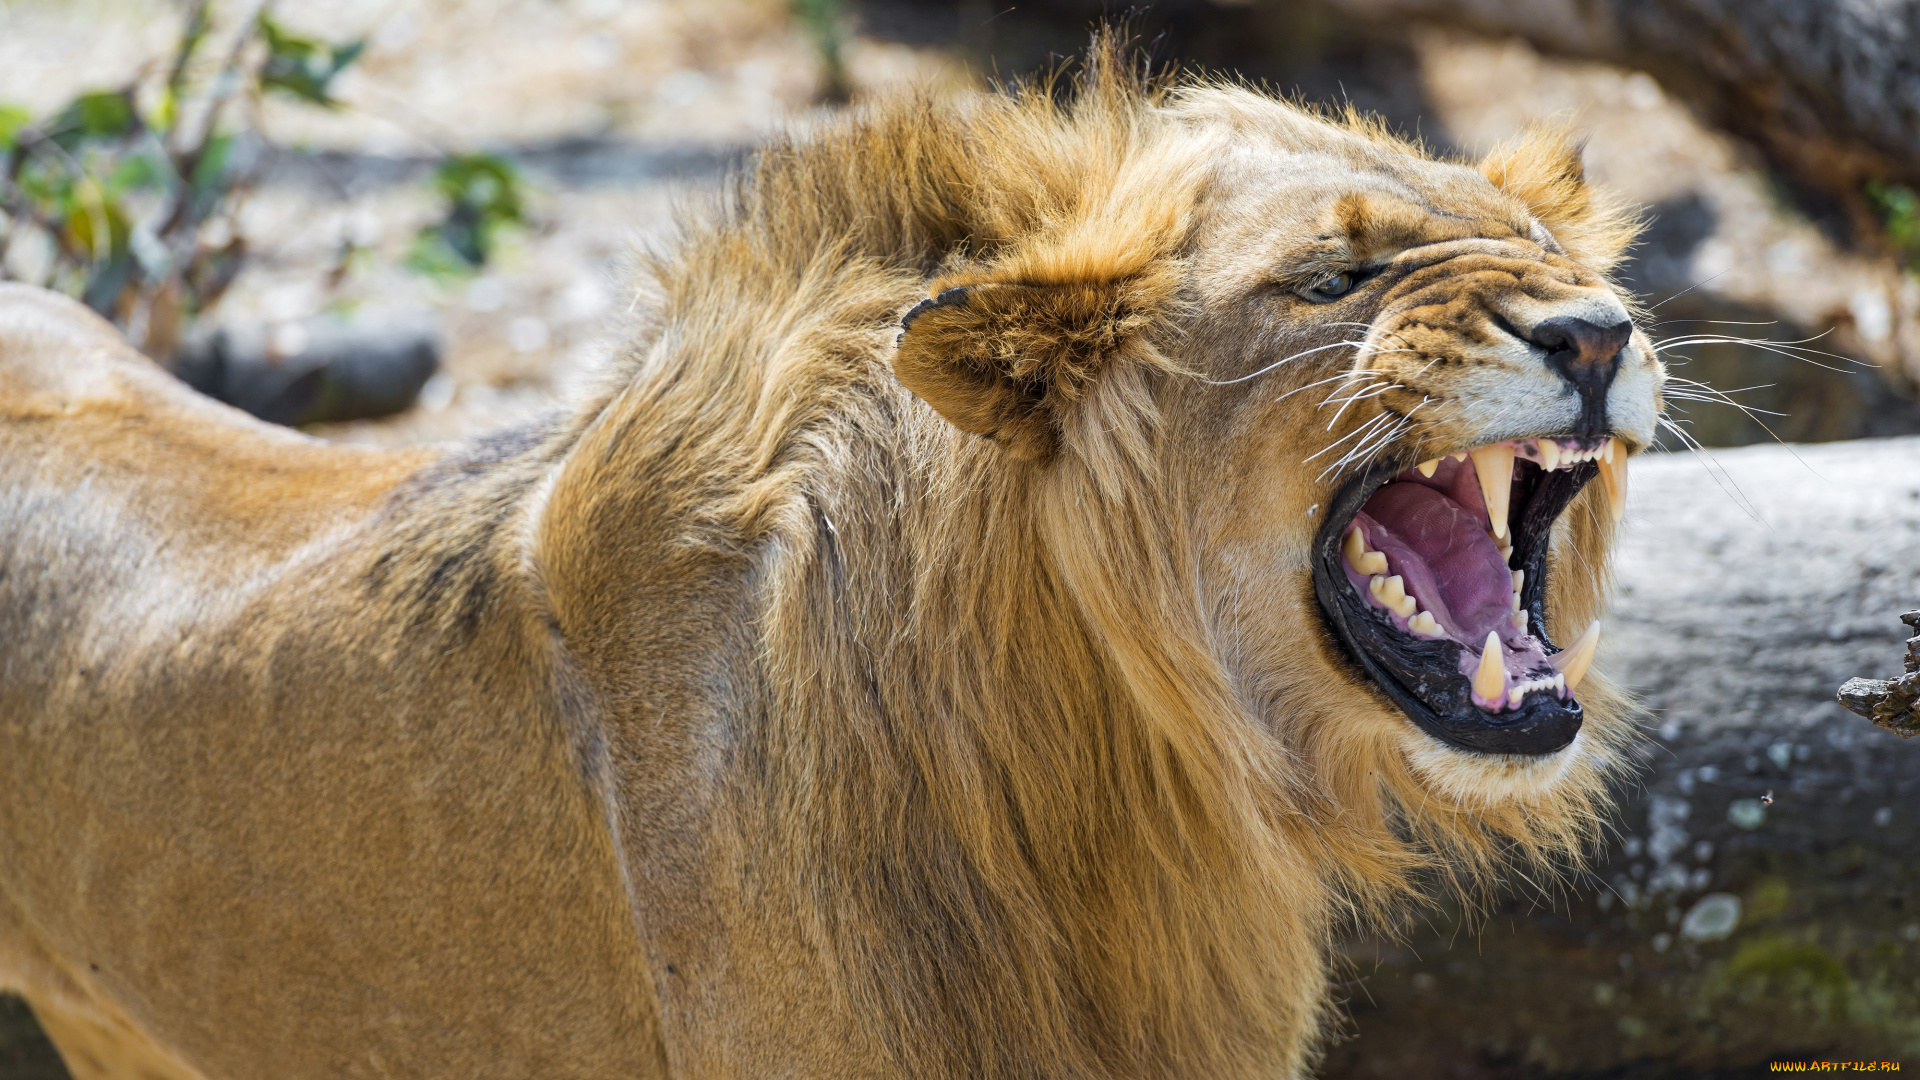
(1587, 355)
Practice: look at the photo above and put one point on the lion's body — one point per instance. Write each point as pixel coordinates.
(750, 719)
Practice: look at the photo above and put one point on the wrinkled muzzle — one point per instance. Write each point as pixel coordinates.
(1434, 575)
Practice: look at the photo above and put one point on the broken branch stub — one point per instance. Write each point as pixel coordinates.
(1893, 703)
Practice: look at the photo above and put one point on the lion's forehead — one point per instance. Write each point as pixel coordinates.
(1364, 211)
(1486, 268)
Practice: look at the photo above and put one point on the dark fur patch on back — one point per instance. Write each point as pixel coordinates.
(443, 555)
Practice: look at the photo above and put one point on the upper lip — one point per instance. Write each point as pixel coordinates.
(1423, 664)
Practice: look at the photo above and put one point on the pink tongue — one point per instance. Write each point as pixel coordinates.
(1440, 547)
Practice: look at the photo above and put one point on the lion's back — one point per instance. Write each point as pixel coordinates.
(228, 789)
(132, 508)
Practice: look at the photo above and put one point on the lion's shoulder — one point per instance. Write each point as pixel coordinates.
(57, 356)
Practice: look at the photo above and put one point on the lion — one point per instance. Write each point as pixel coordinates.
(1039, 567)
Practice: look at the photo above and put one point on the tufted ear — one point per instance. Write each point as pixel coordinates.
(1007, 359)
(1543, 169)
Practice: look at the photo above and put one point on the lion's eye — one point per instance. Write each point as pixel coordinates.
(1330, 288)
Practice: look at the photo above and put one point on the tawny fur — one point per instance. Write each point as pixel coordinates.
(770, 713)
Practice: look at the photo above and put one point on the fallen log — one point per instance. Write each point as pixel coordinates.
(1830, 93)
(1759, 901)
(319, 370)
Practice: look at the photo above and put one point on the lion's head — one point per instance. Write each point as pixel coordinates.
(1384, 404)
(1113, 471)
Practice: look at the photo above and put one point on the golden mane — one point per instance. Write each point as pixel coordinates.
(1008, 768)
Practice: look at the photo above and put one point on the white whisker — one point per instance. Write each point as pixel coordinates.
(1277, 363)
(1348, 435)
(1349, 375)
(1363, 452)
(1708, 394)
(1688, 289)
(1717, 390)
(1371, 390)
(1791, 349)
(1708, 462)
(1718, 322)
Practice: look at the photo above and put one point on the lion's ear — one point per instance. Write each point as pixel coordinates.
(1007, 358)
(1543, 169)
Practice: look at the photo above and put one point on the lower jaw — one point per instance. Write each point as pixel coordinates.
(1427, 687)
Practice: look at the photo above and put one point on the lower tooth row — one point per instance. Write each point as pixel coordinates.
(1389, 592)
(1554, 456)
(1556, 683)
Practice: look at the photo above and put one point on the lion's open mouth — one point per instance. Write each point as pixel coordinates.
(1435, 579)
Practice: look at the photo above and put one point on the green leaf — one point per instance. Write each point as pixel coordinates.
(432, 256)
(103, 114)
(48, 185)
(208, 171)
(137, 172)
(345, 54)
(484, 194)
(303, 67)
(12, 119)
(166, 110)
(211, 179)
(106, 114)
(1899, 209)
(88, 210)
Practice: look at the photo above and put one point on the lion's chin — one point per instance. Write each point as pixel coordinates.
(1433, 577)
(1488, 780)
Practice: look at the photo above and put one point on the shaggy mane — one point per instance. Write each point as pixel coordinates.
(985, 716)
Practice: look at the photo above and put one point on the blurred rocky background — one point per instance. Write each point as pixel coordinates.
(394, 222)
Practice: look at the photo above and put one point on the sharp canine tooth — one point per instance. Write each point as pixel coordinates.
(1494, 466)
(1613, 474)
(1427, 467)
(1549, 454)
(1518, 620)
(1573, 661)
(1490, 679)
(1424, 625)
